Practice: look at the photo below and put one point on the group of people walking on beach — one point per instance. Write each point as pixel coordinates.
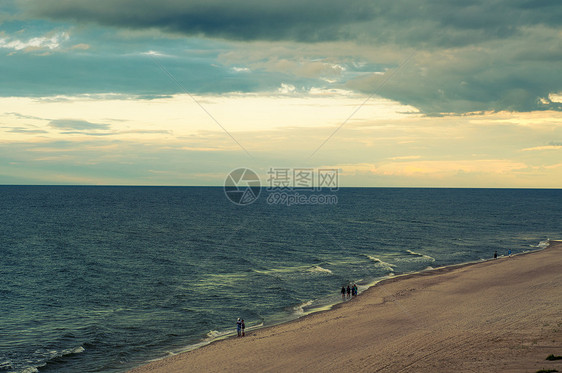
(351, 291)
(240, 327)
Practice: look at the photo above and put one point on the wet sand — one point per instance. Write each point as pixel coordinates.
(501, 315)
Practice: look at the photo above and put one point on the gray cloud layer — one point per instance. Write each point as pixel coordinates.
(501, 75)
(76, 124)
(471, 55)
(441, 22)
(238, 20)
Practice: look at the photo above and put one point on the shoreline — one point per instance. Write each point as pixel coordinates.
(291, 318)
(229, 344)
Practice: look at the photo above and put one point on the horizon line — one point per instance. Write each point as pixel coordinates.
(288, 188)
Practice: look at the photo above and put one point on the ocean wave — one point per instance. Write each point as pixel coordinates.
(421, 256)
(380, 263)
(300, 309)
(319, 269)
(6, 365)
(50, 357)
(214, 334)
(290, 269)
(31, 370)
(219, 279)
(54, 354)
(293, 269)
(543, 244)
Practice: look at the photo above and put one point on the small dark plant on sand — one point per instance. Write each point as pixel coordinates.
(552, 357)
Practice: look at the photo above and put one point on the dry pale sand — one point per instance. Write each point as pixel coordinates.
(501, 315)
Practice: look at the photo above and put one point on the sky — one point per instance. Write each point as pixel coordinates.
(391, 93)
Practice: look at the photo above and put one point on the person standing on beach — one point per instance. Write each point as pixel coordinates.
(239, 327)
(509, 252)
(348, 292)
(496, 254)
(354, 290)
(343, 292)
(243, 328)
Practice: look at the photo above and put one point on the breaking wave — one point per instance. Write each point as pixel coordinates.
(421, 256)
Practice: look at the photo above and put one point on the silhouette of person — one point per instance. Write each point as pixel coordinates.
(239, 327)
(495, 255)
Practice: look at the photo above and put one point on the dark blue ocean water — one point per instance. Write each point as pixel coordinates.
(100, 279)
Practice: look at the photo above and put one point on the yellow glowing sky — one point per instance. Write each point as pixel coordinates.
(383, 144)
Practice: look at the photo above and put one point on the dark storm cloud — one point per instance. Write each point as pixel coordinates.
(239, 20)
(397, 21)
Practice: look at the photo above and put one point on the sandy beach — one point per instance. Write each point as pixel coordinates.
(502, 315)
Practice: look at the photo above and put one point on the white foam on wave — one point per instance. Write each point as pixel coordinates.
(219, 279)
(5, 365)
(421, 256)
(299, 309)
(293, 269)
(380, 263)
(214, 334)
(30, 370)
(78, 350)
(289, 269)
(319, 269)
(543, 244)
(52, 354)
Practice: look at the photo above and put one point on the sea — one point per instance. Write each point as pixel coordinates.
(102, 279)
